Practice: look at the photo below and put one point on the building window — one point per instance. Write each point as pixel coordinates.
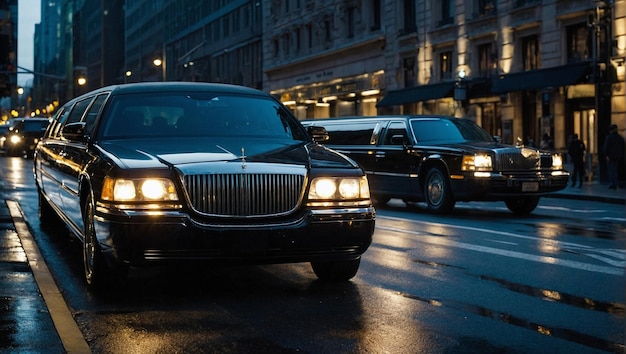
(276, 45)
(445, 66)
(409, 72)
(485, 8)
(446, 11)
(309, 35)
(226, 26)
(578, 43)
(485, 60)
(530, 53)
(298, 40)
(409, 16)
(286, 40)
(350, 14)
(375, 15)
(327, 31)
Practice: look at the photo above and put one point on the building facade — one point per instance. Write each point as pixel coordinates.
(521, 69)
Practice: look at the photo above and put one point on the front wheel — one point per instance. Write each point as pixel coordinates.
(438, 193)
(522, 205)
(336, 270)
(97, 274)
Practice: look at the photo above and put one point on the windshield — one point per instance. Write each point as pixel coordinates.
(448, 131)
(195, 114)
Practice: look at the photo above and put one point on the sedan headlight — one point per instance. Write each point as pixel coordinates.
(339, 189)
(476, 162)
(15, 139)
(557, 162)
(138, 190)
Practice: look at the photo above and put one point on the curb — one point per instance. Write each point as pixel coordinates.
(67, 329)
(591, 198)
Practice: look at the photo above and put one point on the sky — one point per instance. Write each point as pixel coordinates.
(29, 12)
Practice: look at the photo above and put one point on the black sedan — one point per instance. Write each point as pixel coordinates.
(441, 160)
(165, 172)
(23, 135)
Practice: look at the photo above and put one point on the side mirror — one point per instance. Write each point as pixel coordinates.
(319, 134)
(74, 131)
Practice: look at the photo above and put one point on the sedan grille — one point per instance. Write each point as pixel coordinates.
(244, 194)
(517, 160)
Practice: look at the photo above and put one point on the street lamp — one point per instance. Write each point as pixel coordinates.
(159, 63)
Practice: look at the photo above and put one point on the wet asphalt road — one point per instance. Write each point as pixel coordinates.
(480, 280)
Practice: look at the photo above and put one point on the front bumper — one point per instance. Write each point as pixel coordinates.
(143, 238)
(499, 186)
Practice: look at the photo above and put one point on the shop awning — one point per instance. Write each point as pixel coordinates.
(417, 94)
(557, 76)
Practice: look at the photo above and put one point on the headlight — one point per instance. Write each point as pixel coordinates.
(15, 139)
(138, 190)
(476, 163)
(557, 162)
(339, 188)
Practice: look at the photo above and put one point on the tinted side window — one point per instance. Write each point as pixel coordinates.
(58, 123)
(350, 133)
(397, 129)
(94, 110)
(436, 130)
(79, 109)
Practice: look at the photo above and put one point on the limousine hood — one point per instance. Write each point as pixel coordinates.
(149, 153)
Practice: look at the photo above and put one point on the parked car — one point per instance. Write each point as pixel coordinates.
(442, 160)
(23, 135)
(155, 173)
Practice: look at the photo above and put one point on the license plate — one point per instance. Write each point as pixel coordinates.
(530, 186)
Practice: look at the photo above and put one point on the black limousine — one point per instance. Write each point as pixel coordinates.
(441, 160)
(161, 172)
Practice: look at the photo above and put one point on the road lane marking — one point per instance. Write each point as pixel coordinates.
(513, 254)
(71, 336)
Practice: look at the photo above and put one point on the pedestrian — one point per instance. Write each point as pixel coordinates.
(546, 142)
(614, 152)
(576, 151)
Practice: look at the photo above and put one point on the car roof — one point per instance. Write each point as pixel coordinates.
(154, 87)
(382, 117)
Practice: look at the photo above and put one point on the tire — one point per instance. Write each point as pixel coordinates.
(522, 205)
(437, 192)
(336, 270)
(97, 274)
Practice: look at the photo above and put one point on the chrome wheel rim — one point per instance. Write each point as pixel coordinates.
(435, 189)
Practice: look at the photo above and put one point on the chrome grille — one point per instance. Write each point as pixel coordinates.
(244, 194)
(517, 160)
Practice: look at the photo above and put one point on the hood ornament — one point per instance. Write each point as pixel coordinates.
(243, 159)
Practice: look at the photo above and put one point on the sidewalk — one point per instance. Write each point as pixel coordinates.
(593, 191)
(25, 319)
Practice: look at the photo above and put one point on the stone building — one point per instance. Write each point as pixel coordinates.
(519, 68)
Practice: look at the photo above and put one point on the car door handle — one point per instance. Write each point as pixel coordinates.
(379, 154)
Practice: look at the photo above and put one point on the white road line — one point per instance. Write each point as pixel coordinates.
(71, 336)
(513, 254)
